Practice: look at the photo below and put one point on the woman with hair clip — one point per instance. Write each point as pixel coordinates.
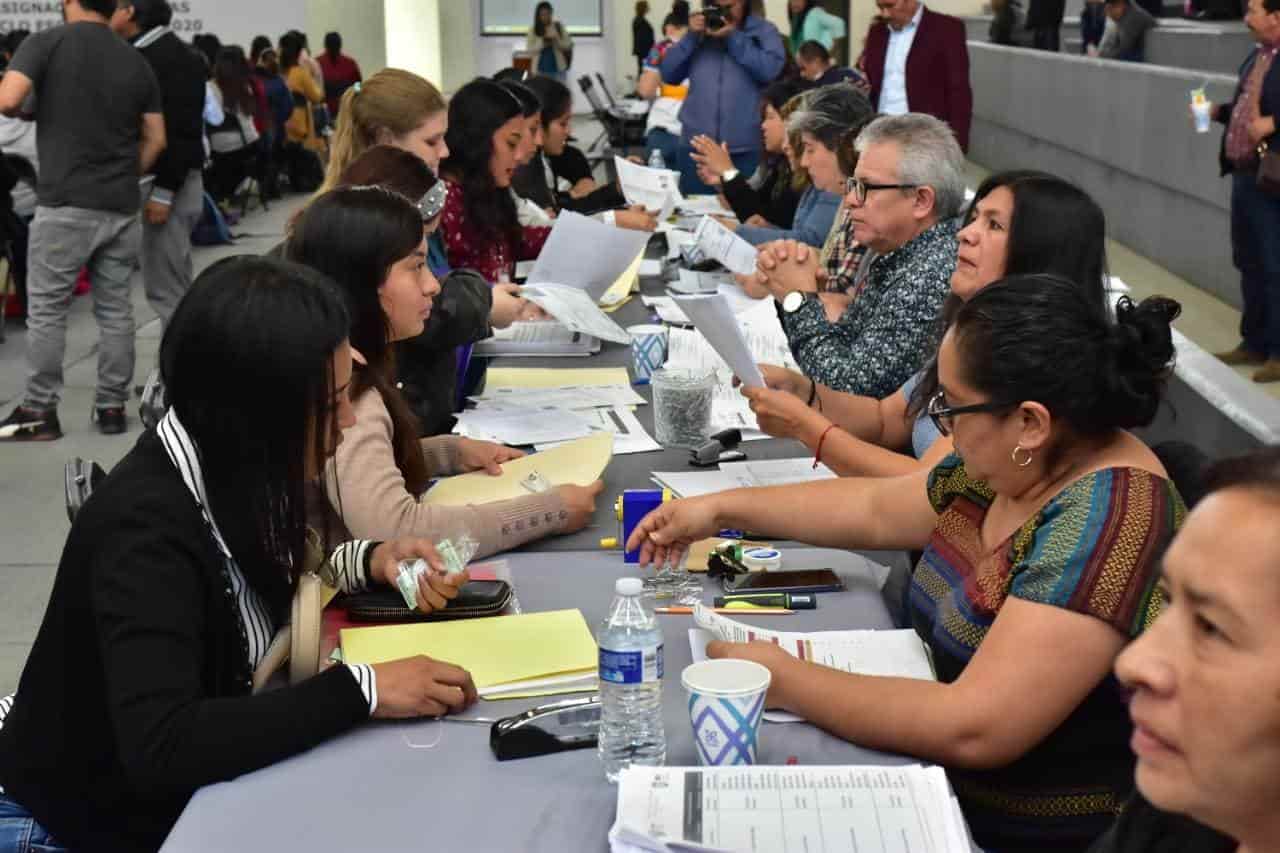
(428, 366)
(401, 109)
(558, 177)
(370, 239)
(1020, 222)
(481, 227)
(527, 210)
(142, 683)
(1042, 536)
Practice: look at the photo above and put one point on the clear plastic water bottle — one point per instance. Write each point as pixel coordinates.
(656, 160)
(630, 641)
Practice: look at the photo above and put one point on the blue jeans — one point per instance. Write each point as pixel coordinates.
(745, 162)
(1255, 250)
(19, 832)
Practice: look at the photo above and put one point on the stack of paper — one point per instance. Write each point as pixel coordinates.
(530, 654)
(514, 423)
(629, 435)
(564, 397)
(547, 377)
(836, 809)
(537, 339)
(579, 462)
(899, 654)
(742, 475)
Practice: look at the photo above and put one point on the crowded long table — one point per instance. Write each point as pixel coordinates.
(402, 785)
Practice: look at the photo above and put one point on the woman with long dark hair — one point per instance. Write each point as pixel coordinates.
(306, 91)
(550, 42)
(1042, 537)
(429, 366)
(1020, 222)
(370, 240)
(481, 228)
(180, 568)
(234, 143)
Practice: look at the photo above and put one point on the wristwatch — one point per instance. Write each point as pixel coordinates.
(792, 301)
(728, 175)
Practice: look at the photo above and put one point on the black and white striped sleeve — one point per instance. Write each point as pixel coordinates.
(350, 562)
(366, 678)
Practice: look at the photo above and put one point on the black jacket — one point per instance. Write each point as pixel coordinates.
(530, 182)
(1142, 828)
(427, 366)
(136, 692)
(182, 78)
(641, 37)
(777, 204)
(1268, 105)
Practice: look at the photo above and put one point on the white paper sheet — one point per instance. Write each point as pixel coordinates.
(509, 423)
(651, 267)
(576, 309)
(704, 205)
(715, 320)
(693, 281)
(564, 396)
(828, 809)
(538, 339)
(715, 241)
(666, 309)
(629, 435)
(565, 259)
(657, 189)
(676, 238)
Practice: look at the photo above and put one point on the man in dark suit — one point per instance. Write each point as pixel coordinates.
(1251, 120)
(917, 62)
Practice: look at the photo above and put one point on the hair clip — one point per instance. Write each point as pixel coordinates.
(356, 86)
(432, 202)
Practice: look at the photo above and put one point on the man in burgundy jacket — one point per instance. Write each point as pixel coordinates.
(917, 62)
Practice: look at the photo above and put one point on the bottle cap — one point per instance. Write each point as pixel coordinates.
(762, 559)
(629, 586)
(609, 542)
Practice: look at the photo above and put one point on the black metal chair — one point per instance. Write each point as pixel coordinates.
(619, 132)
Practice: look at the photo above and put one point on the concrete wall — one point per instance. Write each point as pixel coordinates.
(1213, 48)
(1122, 132)
(364, 35)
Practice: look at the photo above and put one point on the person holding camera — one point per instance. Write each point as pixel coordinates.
(728, 56)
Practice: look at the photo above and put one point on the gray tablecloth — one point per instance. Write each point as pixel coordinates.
(632, 471)
(369, 790)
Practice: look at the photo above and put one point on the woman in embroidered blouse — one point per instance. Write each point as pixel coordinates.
(1019, 222)
(370, 240)
(480, 225)
(1042, 537)
(179, 569)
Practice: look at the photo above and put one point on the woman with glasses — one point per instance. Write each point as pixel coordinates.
(1041, 538)
(1019, 223)
(370, 241)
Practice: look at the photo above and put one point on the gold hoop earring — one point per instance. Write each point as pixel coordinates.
(1014, 456)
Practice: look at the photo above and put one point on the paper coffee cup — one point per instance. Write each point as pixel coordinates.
(726, 702)
(648, 350)
(1200, 109)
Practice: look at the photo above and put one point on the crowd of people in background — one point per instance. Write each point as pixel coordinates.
(961, 367)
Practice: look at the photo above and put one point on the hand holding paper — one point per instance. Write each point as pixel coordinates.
(715, 241)
(714, 319)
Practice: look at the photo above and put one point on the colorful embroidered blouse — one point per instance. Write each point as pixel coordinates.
(1094, 549)
(491, 255)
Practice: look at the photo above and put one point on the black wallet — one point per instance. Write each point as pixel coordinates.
(476, 598)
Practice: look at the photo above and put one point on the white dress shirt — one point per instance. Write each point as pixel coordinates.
(893, 91)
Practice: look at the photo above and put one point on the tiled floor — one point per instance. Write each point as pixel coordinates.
(33, 521)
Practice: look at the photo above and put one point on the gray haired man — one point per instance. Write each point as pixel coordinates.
(903, 201)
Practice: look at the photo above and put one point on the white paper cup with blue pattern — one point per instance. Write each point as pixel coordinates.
(726, 702)
(648, 350)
